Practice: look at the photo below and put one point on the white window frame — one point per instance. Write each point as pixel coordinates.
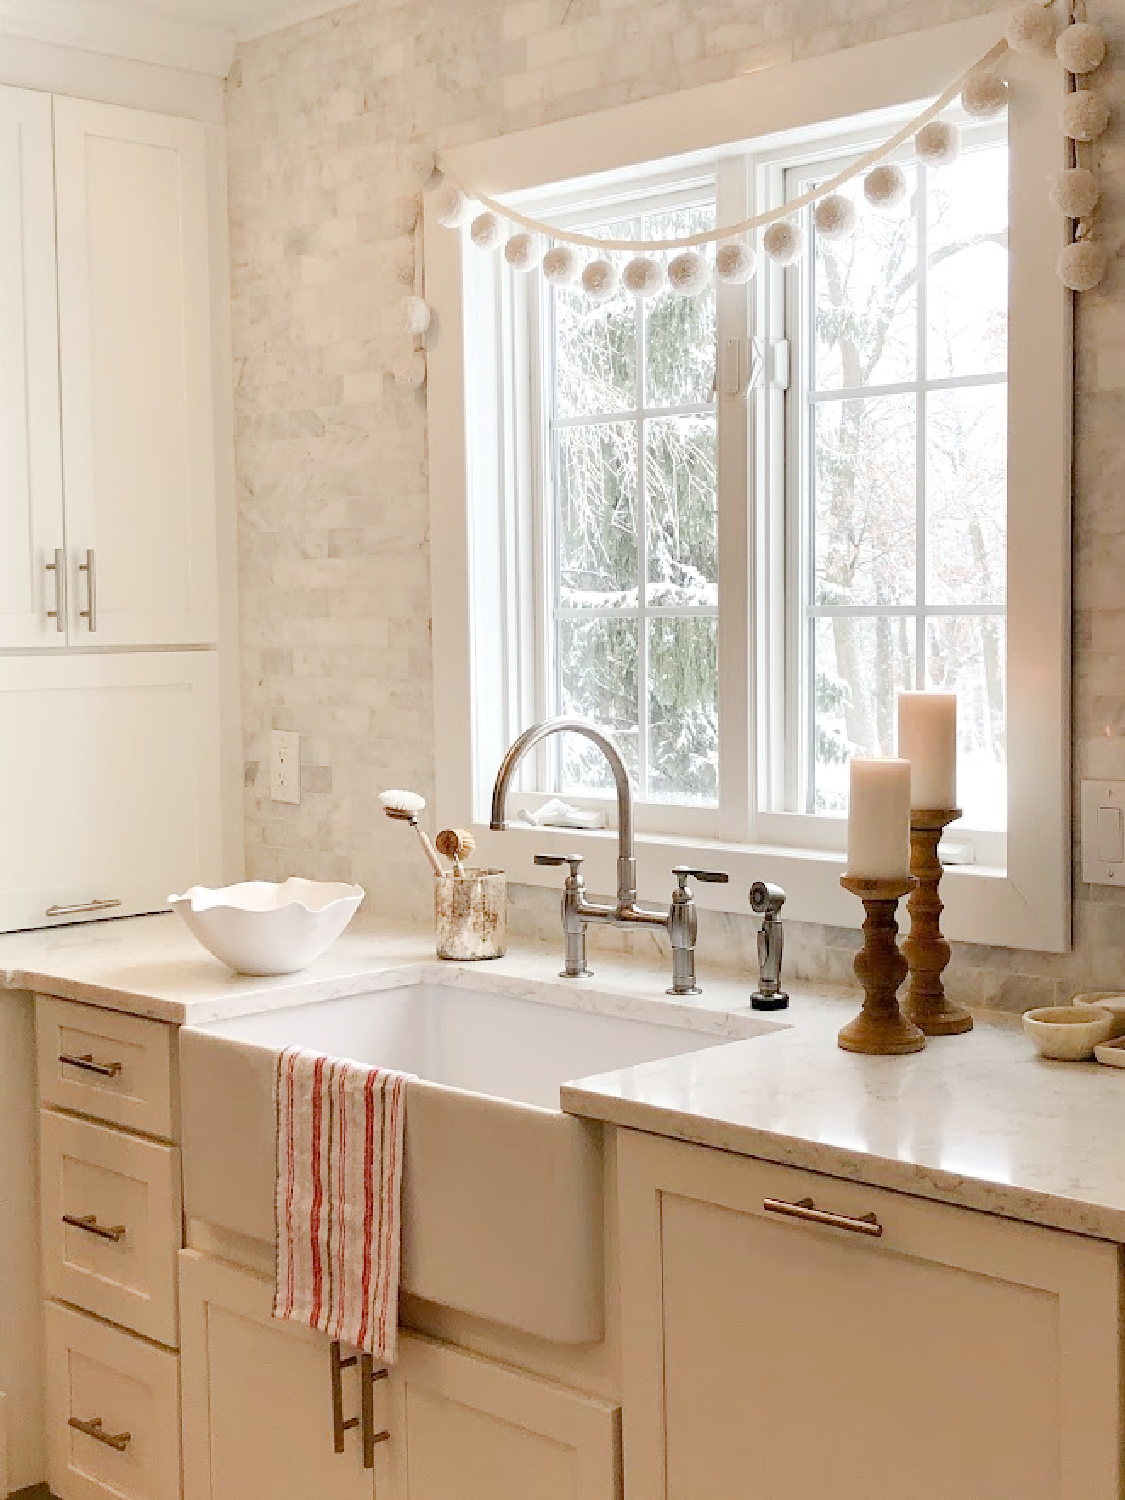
(475, 533)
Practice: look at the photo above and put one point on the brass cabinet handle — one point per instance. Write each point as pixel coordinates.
(88, 1065)
(58, 568)
(83, 906)
(93, 1428)
(338, 1366)
(807, 1210)
(89, 1223)
(368, 1376)
(89, 567)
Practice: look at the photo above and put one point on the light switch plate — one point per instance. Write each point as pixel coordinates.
(285, 765)
(1103, 832)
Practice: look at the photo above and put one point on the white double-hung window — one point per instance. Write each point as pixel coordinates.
(729, 529)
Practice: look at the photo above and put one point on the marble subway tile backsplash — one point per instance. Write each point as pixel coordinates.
(331, 455)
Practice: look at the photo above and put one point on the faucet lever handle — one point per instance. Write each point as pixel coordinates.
(573, 860)
(684, 873)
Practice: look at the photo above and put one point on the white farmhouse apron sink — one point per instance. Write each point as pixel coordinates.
(502, 1191)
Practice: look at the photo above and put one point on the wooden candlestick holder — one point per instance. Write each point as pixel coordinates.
(926, 950)
(880, 1029)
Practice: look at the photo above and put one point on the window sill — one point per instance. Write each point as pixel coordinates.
(983, 905)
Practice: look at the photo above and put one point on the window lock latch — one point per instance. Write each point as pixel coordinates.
(769, 365)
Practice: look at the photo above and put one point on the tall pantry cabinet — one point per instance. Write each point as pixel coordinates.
(109, 681)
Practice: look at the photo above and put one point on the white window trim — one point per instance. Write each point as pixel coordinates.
(1026, 905)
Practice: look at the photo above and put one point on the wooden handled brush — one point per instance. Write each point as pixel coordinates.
(456, 844)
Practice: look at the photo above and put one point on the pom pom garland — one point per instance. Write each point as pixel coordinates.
(1075, 192)
(523, 252)
(1084, 115)
(451, 206)
(984, 96)
(834, 217)
(938, 144)
(418, 162)
(1082, 265)
(885, 186)
(1030, 28)
(415, 316)
(486, 231)
(735, 263)
(643, 276)
(688, 273)
(599, 280)
(561, 265)
(783, 242)
(1080, 48)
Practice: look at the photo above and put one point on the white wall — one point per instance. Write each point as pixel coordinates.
(21, 1315)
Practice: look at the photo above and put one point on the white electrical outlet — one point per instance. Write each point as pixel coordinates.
(285, 766)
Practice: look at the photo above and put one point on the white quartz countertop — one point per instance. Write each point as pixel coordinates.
(977, 1120)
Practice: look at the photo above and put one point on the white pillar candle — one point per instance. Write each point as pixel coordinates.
(879, 819)
(927, 738)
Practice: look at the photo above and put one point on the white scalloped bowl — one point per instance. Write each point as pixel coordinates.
(262, 927)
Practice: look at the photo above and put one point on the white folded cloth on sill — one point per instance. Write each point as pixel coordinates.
(559, 814)
(338, 1207)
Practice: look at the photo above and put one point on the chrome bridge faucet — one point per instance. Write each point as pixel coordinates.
(680, 921)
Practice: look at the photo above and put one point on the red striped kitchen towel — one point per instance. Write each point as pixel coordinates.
(338, 1203)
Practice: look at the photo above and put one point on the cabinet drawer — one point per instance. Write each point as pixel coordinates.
(105, 1382)
(114, 1067)
(112, 1223)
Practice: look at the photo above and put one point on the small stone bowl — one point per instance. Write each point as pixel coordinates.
(1112, 1001)
(1068, 1032)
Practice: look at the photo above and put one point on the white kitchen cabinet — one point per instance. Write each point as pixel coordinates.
(109, 783)
(258, 1414)
(769, 1355)
(31, 499)
(138, 441)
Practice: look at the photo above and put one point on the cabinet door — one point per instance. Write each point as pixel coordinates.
(31, 517)
(257, 1397)
(135, 359)
(466, 1428)
(767, 1356)
(109, 783)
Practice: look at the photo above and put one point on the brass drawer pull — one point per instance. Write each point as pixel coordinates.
(118, 1441)
(339, 1365)
(368, 1376)
(807, 1210)
(83, 906)
(88, 1065)
(89, 1223)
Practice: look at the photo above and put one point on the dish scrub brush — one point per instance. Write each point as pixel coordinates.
(405, 807)
(456, 844)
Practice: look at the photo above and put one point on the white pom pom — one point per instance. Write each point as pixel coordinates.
(688, 274)
(1080, 48)
(885, 187)
(410, 371)
(783, 242)
(415, 315)
(418, 162)
(599, 280)
(451, 207)
(1082, 265)
(643, 276)
(1030, 28)
(834, 217)
(561, 265)
(1084, 115)
(984, 96)
(938, 144)
(523, 252)
(486, 231)
(735, 263)
(1075, 192)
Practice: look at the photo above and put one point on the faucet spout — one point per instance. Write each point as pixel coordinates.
(626, 854)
